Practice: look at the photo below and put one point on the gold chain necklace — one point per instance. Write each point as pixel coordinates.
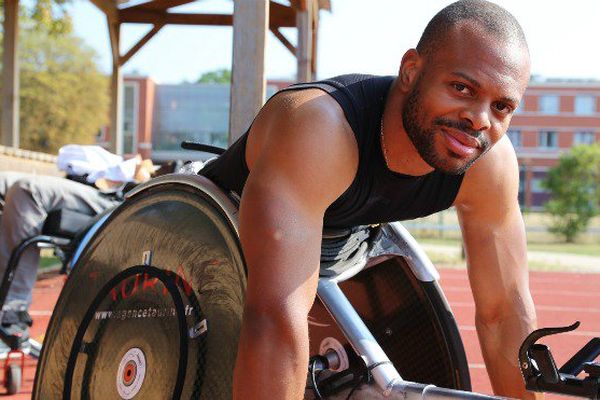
(382, 138)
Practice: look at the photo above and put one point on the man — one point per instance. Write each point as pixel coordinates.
(361, 150)
(26, 200)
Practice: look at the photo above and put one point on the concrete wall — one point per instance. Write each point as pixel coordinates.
(12, 159)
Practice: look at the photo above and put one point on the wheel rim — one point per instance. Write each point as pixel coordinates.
(174, 230)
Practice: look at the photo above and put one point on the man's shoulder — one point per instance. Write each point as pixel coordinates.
(312, 104)
(302, 122)
(353, 78)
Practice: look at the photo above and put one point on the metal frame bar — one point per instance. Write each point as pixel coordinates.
(15, 256)
(366, 346)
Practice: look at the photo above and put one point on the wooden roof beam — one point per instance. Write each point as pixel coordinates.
(108, 7)
(155, 17)
(158, 5)
(280, 17)
(134, 49)
(288, 45)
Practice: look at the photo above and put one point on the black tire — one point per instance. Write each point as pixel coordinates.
(14, 378)
(92, 338)
(409, 318)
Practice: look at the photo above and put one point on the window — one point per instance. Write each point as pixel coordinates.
(585, 105)
(584, 138)
(537, 185)
(129, 119)
(537, 181)
(548, 140)
(549, 104)
(515, 137)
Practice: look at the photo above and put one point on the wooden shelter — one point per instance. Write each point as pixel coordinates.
(251, 20)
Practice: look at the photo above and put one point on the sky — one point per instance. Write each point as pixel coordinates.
(365, 36)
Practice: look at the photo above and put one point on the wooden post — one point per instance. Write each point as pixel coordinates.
(10, 72)
(116, 112)
(116, 90)
(315, 41)
(304, 19)
(248, 86)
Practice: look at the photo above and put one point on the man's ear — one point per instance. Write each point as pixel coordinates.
(410, 68)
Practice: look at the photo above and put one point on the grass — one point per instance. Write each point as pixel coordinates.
(586, 249)
(579, 248)
(449, 261)
(48, 260)
(452, 259)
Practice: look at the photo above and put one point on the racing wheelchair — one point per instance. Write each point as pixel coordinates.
(153, 309)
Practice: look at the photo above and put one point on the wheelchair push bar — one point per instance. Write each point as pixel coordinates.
(541, 374)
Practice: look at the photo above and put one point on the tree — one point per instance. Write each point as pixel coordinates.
(63, 96)
(575, 188)
(218, 76)
(51, 15)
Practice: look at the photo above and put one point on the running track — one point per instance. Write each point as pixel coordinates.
(561, 298)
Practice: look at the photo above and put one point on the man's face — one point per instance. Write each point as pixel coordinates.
(462, 101)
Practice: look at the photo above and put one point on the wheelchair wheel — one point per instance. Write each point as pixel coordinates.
(153, 306)
(410, 320)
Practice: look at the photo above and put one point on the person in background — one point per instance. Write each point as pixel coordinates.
(95, 181)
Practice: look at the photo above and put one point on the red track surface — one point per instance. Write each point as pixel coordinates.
(561, 298)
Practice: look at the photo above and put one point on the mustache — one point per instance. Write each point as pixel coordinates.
(460, 125)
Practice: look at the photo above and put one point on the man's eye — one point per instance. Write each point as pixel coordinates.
(503, 108)
(461, 88)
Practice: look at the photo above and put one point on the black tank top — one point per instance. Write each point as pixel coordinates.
(376, 194)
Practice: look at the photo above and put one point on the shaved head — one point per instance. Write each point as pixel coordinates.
(489, 17)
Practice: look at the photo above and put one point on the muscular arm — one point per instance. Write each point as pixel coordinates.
(302, 156)
(495, 244)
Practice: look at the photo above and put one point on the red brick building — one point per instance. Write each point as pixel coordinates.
(554, 116)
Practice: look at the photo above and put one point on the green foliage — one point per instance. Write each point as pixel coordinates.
(575, 188)
(218, 76)
(63, 97)
(49, 15)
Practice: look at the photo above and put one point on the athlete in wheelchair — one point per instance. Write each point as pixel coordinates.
(202, 286)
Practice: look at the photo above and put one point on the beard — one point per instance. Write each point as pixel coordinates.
(424, 138)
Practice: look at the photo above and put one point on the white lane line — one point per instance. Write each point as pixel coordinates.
(567, 280)
(471, 328)
(534, 291)
(40, 313)
(537, 307)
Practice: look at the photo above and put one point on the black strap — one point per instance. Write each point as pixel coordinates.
(341, 249)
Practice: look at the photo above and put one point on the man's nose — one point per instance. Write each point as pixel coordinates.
(477, 116)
